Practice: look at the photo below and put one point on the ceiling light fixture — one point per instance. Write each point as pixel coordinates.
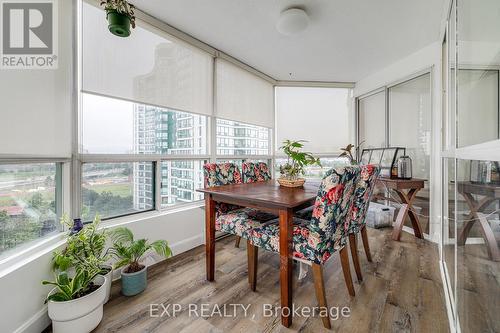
(292, 21)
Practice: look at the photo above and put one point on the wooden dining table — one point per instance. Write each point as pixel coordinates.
(266, 196)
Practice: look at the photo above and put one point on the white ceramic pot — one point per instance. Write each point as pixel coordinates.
(80, 315)
(109, 280)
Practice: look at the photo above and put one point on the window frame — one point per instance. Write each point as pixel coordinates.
(60, 201)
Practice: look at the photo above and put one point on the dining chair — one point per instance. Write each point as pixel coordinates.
(255, 172)
(362, 197)
(316, 240)
(229, 218)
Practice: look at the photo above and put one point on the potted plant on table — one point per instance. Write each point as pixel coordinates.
(295, 164)
(130, 253)
(120, 16)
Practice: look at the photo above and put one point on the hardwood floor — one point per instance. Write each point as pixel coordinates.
(401, 292)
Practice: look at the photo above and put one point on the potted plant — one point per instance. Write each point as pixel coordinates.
(76, 303)
(295, 164)
(88, 242)
(348, 153)
(120, 16)
(130, 253)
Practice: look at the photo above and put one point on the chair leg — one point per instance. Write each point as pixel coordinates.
(319, 286)
(253, 255)
(237, 242)
(344, 260)
(354, 254)
(364, 236)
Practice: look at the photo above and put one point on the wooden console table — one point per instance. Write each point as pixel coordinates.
(407, 190)
(489, 193)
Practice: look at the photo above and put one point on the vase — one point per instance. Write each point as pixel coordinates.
(134, 283)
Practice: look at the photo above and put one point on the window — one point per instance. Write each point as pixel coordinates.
(139, 128)
(235, 138)
(115, 189)
(29, 204)
(179, 182)
(315, 171)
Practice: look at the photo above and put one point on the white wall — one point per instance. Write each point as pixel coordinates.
(429, 56)
(21, 304)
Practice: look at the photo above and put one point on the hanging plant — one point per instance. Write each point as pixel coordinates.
(120, 16)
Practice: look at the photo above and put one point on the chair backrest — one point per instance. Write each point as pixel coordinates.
(255, 172)
(221, 174)
(331, 214)
(363, 195)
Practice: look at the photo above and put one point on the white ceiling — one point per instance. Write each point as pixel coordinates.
(346, 40)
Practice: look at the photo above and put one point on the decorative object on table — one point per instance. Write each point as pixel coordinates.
(81, 283)
(120, 16)
(295, 164)
(348, 153)
(484, 172)
(404, 167)
(130, 253)
(387, 158)
(86, 244)
(379, 216)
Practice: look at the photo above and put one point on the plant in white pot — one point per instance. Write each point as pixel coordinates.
(297, 160)
(89, 242)
(76, 303)
(130, 253)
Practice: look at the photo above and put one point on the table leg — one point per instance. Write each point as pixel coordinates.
(286, 265)
(474, 207)
(210, 236)
(406, 208)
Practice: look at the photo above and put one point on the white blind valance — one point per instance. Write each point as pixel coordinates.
(242, 96)
(147, 67)
(317, 115)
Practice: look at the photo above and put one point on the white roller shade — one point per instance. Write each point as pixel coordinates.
(148, 67)
(371, 121)
(36, 104)
(318, 115)
(242, 96)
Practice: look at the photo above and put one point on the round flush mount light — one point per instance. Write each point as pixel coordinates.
(292, 21)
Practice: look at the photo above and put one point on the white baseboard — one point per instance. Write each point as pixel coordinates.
(35, 324)
(41, 320)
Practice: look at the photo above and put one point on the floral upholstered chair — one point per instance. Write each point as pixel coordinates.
(229, 218)
(255, 172)
(316, 240)
(362, 197)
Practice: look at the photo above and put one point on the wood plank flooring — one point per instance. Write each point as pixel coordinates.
(401, 292)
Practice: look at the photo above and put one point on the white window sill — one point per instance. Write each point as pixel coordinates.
(46, 245)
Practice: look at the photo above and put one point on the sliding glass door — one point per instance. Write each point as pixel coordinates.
(471, 167)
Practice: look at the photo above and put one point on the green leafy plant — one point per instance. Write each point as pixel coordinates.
(349, 154)
(130, 252)
(83, 247)
(72, 288)
(122, 7)
(297, 160)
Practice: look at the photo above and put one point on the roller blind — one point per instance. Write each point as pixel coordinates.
(148, 67)
(371, 120)
(36, 104)
(318, 115)
(242, 96)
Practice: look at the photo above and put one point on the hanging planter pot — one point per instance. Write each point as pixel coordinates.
(120, 16)
(118, 24)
